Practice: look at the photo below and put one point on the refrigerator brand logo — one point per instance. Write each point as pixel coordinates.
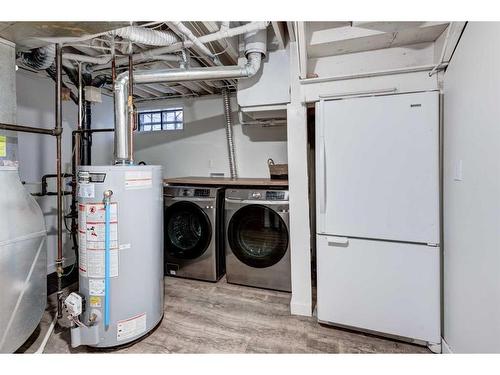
(415, 105)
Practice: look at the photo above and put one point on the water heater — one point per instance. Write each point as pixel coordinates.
(120, 260)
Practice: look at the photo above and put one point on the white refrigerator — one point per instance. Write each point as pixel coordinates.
(377, 199)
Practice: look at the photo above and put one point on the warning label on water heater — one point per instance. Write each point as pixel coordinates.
(131, 327)
(92, 227)
(138, 180)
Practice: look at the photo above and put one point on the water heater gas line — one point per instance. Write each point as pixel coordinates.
(107, 235)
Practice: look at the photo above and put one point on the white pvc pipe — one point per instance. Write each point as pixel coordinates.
(194, 39)
(244, 29)
(221, 34)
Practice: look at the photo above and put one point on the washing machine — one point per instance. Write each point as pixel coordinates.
(257, 238)
(193, 226)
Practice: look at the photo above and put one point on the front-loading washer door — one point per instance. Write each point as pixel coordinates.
(258, 236)
(188, 231)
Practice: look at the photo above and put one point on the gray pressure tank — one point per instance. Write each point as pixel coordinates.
(23, 262)
(136, 255)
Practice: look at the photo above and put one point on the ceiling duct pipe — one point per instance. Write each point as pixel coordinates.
(43, 58)
(39, 58)
(255, 50)
(147, 36)
(179, 45)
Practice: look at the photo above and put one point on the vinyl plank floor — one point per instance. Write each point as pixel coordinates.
(202, 317)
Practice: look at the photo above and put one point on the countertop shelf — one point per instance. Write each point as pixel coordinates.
(225, 181)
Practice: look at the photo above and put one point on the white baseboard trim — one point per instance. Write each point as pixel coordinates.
(300, 308)
(445, 347)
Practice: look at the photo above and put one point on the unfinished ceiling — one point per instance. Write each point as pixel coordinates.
(94, 43)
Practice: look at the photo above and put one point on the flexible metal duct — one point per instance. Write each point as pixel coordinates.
(226, 99)
(146, 36)
(221, 34)
(39, 58)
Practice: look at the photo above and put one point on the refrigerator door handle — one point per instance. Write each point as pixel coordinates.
(338, 241)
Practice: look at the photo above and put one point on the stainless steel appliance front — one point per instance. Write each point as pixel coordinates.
(193, 243)
(257, 240)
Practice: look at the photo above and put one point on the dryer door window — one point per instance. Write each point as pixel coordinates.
(188, 231)
(258, 236)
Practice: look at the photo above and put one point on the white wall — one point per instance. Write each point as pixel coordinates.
(201, 148)
(37, 154)
(471, 202)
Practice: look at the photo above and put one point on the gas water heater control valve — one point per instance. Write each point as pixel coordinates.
(74, 305)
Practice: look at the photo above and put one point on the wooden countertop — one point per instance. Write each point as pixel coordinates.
(225, 181)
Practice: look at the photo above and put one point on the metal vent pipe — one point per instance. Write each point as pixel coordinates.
(226, 99)
(257, 41)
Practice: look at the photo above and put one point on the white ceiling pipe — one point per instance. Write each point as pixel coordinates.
(219, 35)
(194, 39)
(146, 36)
(222, 34)
(87, 59)
(224, 26)
(254, 59)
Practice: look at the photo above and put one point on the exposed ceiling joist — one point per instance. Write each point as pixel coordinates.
(279, 31)
(230, 48)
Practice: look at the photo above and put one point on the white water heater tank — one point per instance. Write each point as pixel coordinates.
(127, 303)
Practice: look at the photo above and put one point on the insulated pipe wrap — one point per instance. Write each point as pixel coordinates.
(40, 58)
(146, 36)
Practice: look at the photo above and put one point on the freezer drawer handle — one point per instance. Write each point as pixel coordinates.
(338, 241)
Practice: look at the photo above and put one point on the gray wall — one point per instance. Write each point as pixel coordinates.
(200, 149)
(472, 201)
(37, 155)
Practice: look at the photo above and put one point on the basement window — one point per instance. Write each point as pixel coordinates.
(164, 119)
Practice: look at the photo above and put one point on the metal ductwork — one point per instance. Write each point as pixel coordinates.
(39, 58)
(226, 99)
(256, 42)
(146, 36)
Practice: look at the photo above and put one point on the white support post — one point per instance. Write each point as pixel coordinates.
(301, 302)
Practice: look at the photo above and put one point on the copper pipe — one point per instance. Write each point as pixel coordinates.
(113, 70)
(58, 130)
(27, 129)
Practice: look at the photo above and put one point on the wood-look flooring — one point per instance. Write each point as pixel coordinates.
(202, 317)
